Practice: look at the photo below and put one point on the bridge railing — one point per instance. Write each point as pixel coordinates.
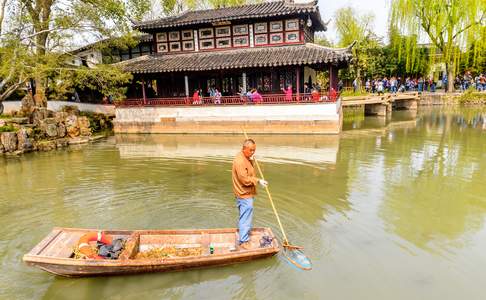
(231, 100)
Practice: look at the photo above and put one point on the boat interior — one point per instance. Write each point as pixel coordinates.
(61, 242)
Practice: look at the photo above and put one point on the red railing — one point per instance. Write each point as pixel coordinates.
(231, 100)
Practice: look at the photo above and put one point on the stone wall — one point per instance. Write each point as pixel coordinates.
(43, 130)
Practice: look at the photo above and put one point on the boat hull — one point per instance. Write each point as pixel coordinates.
(56, 261)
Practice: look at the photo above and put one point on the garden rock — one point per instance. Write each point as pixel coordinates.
(24, 142)
(84, 129)
(9, 141)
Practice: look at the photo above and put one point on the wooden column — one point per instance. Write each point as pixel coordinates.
(186, 85)
(298, 83)
(333, 78)
(244, 82)
(143, 92)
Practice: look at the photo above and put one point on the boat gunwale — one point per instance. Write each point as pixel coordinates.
(169, 261)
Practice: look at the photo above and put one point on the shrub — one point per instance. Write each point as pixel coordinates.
(7, 128)
(470, 96)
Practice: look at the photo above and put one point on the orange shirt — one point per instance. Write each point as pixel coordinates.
(243, 176)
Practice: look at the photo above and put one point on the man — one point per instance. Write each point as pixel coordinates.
(244, 188)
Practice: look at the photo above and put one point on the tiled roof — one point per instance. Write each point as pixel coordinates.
(260, 10)
(307, 54)
(144, 38)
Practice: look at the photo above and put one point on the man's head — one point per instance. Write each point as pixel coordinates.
(249, 148)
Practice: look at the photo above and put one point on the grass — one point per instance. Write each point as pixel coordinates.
(471, 96)
(352, 93)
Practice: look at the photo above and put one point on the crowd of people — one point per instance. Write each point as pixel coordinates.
(397, 84)
(311, 92)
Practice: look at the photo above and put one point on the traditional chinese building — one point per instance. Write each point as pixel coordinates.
(267, 46)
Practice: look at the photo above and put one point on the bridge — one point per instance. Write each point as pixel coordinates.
(383, 105)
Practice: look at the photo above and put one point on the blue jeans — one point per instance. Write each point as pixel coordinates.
(245, 207)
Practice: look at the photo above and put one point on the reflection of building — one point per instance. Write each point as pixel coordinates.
(296, 149)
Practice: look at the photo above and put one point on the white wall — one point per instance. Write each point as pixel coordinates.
(10, 106)
(296, 112)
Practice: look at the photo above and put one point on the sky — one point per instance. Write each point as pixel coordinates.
(379, 8)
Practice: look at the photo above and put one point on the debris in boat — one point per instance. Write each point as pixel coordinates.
(111, 251)
(79, 255)
(166, 252)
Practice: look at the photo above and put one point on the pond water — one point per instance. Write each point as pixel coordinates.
(391, 209)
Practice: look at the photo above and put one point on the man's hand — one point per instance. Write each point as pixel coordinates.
(263, 182)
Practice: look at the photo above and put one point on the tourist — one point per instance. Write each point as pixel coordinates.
(244, 187)
(315, 95)
(307, 91)
(217, 96)
(288, 93)
(380, 87)
(249, 95)
(340, 85)
(368, 85)
(256, 97)
(355, 85)
(196, 99)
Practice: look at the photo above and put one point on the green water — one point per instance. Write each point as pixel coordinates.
(391, 209)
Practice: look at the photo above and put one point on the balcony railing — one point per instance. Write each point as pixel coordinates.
(232, 100)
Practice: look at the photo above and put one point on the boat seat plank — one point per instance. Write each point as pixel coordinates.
(39, 248)
(63, 245)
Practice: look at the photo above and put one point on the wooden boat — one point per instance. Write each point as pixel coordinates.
(54, 253)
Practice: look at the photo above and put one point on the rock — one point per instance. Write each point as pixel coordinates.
(51, 130)
(39, 114)
(61, 130)
(79, 140)
(2, 122)
(60, 116)
(71, 109)
(46, 145)
(28, 104)
(84, 129)
(1, 148)
(9, 141)
(50, 120)
(60, 143)
(72, 126)
(24, 142)
(19, 120)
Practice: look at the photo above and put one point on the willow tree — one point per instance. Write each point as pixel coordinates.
(354, 28)
(452, 26)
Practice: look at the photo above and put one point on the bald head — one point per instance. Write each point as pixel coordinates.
(249, 148)
(247, 143)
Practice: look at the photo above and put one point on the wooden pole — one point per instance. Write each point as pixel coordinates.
(143, 92)
(298, 83)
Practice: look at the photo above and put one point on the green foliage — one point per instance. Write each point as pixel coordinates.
(452, 27)
(354, 28)
(109, 80)
(351, 93)
(471, 96)
(98, 122)
(7, 128)
(397, 62)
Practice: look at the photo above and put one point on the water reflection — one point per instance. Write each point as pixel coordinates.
(436, 181)
(290, 149)
(407, 196)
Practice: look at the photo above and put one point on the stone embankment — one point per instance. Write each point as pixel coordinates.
(45, 130)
